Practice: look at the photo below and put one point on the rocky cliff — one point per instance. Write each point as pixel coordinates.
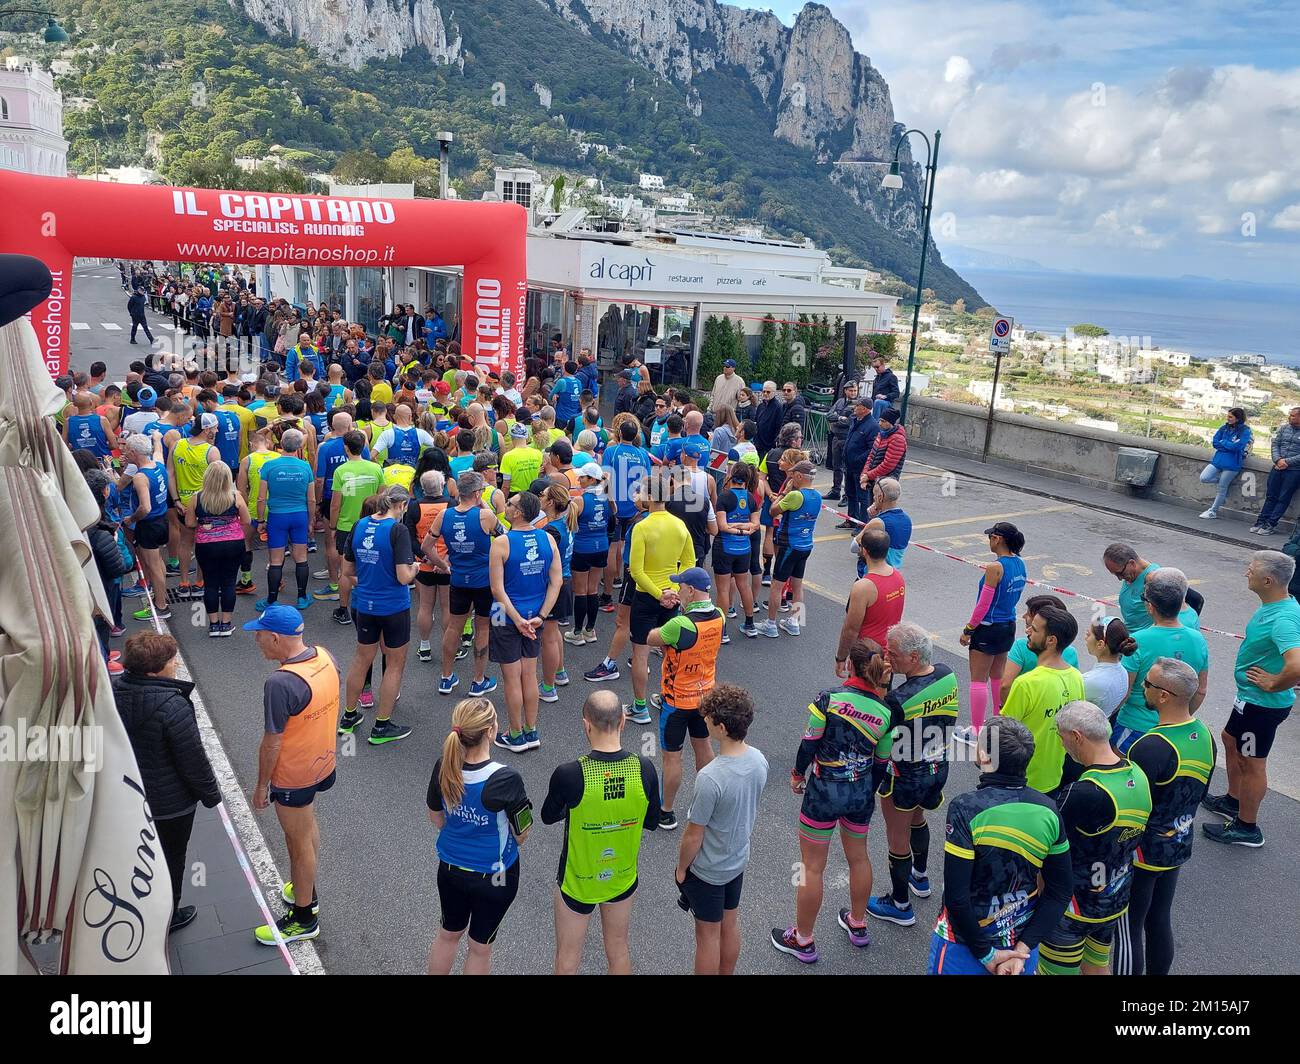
(353, 31)
(823, 95)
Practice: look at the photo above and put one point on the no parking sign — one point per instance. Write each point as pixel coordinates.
(1000, 337)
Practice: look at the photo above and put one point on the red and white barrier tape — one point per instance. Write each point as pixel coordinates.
(240, 855)
(1029, 580)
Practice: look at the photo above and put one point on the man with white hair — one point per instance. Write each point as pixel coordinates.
(885, 513)
(1267, 670)
(148, 524)
(1177, 756)
(1105, 812)
(1166, 636)
(287, 488)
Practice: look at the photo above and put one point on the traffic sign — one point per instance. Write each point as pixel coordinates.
(1000, 337)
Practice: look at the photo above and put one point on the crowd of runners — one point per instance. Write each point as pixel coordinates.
(490, 524)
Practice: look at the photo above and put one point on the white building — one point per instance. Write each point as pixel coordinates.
(1231, 378)
(1178, 359)
(1282, 375)
(126, 175)
(652, 183)
(31, 120)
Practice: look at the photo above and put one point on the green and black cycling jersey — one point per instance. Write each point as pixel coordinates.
(1000, 838)
(1105, 812)
(1178, 760)
(924, 713)
(848, 735)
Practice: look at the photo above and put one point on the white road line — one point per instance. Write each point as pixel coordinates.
(78, 325)
(250, 832)
(111, 326)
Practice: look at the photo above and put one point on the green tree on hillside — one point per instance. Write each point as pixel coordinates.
(1092, 331)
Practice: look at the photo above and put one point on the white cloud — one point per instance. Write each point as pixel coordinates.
(1287, 218)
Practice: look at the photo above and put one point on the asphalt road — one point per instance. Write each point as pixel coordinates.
(379, 901)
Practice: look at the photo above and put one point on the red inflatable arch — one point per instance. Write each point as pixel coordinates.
(57, 219)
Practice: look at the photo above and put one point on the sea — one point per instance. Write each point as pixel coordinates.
(1206, 318)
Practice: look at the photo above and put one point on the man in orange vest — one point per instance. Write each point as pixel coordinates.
(690, 642)
(296, 758)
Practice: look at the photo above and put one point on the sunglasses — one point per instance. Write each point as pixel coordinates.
(1148, 683)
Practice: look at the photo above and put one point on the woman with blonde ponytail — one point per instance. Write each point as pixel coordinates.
(482, 813)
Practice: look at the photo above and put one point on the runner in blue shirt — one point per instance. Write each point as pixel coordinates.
(627, 464)
(286, 490)
(330, 454)
(590, 552)
(566, 398)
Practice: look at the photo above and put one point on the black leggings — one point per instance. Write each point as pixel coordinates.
(174, 837)
(219, 563)
(1149, 916)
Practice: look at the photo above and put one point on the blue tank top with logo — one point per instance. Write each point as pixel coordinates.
(1006, 596)
(565, 537)
(526, 569)
(475, 837)
(592, 536)
(87, 431)
(229, 432)
(799, 524)
(318, 423)
(467, 547)
(157, 475)
(406, 446)
(378, 591)
(738, 543)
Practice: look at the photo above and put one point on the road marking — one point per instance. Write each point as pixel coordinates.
(995, 517)
(81, 325)
(111, 326)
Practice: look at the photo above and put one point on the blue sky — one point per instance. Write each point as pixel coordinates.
(1155, 138)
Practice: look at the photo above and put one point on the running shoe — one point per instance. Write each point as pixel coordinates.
(321, 574)
(1267, 530)
(173, 566)
(786, 942)
(667, 820)
(547, 694)
(768, 628)
(116, 632)
(424, 653)
(260, 605)
(592, 637)
(533, 740)
(146, 614)
(1208, 515)
(329, 593)
(847, 524)
(182, 917)
(607, 607)
(311, 546)
(516, 744)
(1222, 804)
(562, 678)
(919, 885)
(603, 671)
(115, 668)
(636, 716)
(447, 684)
(135, 591)
(342, 615)
(245, 587)
(858, 936)
(214, 630)
(225, 629)
(767, 579)
(349, 721)
(725, 637)
(486, 687)
(748, 630)
(833, 496)
(1234, 833)
(462, 651)
(291, 930)
(114, 655)
(731, 613)
(618, 584)
(286, 896)
(786, 605)
(305, 601)
(387, 731)
(186, 591)
(575, 638)
(656, 703)
(788, 625)
(366, 700)
(885, 908)
(606, 600)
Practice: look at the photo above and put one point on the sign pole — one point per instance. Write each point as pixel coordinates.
(999, 345)
(993, 395)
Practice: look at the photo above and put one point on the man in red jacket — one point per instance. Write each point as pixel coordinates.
(888, 452)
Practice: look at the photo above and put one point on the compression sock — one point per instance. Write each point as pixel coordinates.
(767, 564)
(303, 573)
(979, 703)
(920, 848)
(900, 870)
(274, 574)
(593, 608)
(246, 566)
(995, 685)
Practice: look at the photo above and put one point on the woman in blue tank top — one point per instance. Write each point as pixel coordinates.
(560, 512)
(482, 813)
(991, 630)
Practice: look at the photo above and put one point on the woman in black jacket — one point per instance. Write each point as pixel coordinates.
(109, 559)
(156, 710)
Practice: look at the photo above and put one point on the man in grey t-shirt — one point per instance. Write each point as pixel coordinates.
(715, 846)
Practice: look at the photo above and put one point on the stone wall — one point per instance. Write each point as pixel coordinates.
(1081, 455)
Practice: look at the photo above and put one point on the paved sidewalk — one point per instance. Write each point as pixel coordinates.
(220, 940)
(1227, 529)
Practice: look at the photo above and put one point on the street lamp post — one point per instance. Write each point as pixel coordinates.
(893, 181)
(54, 33)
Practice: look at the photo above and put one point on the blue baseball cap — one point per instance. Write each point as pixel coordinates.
(278, 618)
(695, 449)
(729, 363)
(146, 397)
(693, 577)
